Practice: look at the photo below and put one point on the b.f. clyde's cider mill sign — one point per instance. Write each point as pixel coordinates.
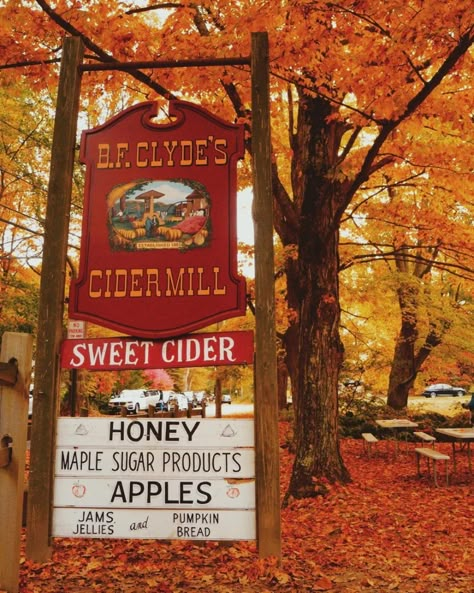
(158, 261)
(159, 248)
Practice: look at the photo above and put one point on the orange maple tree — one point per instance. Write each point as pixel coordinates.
(353, 82)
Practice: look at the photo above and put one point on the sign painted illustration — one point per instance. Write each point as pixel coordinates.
(159, 245)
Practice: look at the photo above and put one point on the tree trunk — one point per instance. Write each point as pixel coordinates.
(317, 443)
(319, 345)
(402, 372)
(407, 362)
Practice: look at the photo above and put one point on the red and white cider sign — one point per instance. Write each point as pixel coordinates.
(159, 243)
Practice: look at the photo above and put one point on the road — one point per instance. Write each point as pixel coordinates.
(442, 405)
(234, 409)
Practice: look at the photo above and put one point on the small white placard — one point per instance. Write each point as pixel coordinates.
(76, 329)
(155, 524)
(157, 463)
(154, 493)
(155, 432)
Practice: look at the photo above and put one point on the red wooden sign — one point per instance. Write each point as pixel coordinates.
(159, 245)
(108, 354)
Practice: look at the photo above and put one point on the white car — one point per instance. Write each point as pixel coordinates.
(178, 401)
(200, 395)
(135, 400)
(191, 398)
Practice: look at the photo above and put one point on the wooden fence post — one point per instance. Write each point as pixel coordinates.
(13, 435)
(267, 459)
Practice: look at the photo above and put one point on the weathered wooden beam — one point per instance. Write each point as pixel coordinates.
(267, 459)
(8, 372)
(197, 62)
(13, 433)
(51, 306)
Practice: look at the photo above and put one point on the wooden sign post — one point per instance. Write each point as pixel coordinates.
(266, 393)
(13, 435)
(51, 305)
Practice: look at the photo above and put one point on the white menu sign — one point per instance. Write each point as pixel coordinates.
(186, 478)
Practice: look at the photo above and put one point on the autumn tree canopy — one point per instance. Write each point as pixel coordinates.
(371, 115)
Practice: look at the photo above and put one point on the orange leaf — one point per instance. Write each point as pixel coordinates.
(322, 584)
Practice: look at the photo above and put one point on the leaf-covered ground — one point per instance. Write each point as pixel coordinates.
(386, 531)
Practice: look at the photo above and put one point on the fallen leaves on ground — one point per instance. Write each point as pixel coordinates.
(388, 530)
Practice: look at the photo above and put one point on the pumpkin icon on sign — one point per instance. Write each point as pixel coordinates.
(78, 489)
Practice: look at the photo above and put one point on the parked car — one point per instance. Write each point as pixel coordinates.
(200, 396)
(177, 400)
(443, 389)
(135, 400)
(226, 398)
(192, 399)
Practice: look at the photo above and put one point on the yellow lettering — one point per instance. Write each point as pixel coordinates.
(217, 290)
(170, 147)
(175, 289)
(121, 283)
(152, 280)
(222, 160)
(122, 148)
(104, 153)
(190, 276)
(108, 274)
(155, 162)
(142, 162)
(94, 294)
(120, 291)
(136, 276)
(202, 291)
(186, 153)
(201, 158)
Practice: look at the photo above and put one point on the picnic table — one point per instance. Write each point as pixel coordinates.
(397, 425)
(458, 435)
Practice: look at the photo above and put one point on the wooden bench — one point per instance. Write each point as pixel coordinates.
(369, 440)
(434, 456)
(427, 438)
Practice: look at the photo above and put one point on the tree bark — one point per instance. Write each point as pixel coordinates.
(407, 358)
(318, 457)
(403, 372)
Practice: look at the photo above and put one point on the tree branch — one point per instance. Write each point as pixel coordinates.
(28, 63)
(102, 55)
(456, 53)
